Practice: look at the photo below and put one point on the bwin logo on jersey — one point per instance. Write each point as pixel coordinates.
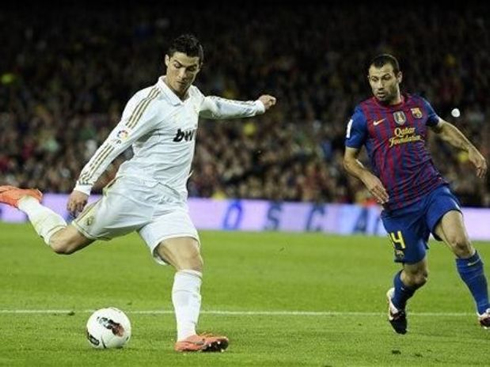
(187, 135)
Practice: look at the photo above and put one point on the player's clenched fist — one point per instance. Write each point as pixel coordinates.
(267, 100)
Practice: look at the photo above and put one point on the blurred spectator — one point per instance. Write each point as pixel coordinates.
(64, 76)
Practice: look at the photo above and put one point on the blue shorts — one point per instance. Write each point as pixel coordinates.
(409, 227)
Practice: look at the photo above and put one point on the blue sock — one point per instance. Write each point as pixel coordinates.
(402, 292)
(471, 271)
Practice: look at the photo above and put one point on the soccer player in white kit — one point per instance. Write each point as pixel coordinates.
(148, 194)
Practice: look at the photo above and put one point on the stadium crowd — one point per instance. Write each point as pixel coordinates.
(66, 75)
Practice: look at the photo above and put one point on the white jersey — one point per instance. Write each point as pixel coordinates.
(161, 128)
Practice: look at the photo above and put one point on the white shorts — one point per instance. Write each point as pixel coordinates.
(131, 204)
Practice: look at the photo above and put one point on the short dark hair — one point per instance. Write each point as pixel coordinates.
(187, 44)
(383, 59)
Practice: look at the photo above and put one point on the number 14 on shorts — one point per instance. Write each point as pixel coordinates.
(398, 242)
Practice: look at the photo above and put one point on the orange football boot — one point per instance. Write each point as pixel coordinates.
(202, 343)
(11, 195)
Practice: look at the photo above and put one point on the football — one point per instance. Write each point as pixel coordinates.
(108, 328)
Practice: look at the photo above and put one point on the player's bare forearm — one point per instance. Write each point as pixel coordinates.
(355, 168)
(452, 135)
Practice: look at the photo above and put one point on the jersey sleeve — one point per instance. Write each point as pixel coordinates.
(432, 117)
(213, 107)
(138, 118)
(356, 133)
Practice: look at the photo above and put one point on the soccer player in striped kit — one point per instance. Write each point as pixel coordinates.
(416, 199)
(149, 193)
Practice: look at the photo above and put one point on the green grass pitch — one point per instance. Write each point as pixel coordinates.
(283, 299)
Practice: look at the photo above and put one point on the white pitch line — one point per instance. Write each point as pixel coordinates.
(249, 313)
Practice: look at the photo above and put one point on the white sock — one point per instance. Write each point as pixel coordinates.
(45, 221)
(186, 297)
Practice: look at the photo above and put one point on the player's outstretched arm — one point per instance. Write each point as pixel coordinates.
(221, 108)
(452, 135)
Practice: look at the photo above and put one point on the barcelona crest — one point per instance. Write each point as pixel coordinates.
(416, 113)
(399, 117)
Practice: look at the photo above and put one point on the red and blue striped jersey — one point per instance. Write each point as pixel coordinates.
(395, 140)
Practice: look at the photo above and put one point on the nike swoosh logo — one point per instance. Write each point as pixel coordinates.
(473, 263)
(377, 122)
